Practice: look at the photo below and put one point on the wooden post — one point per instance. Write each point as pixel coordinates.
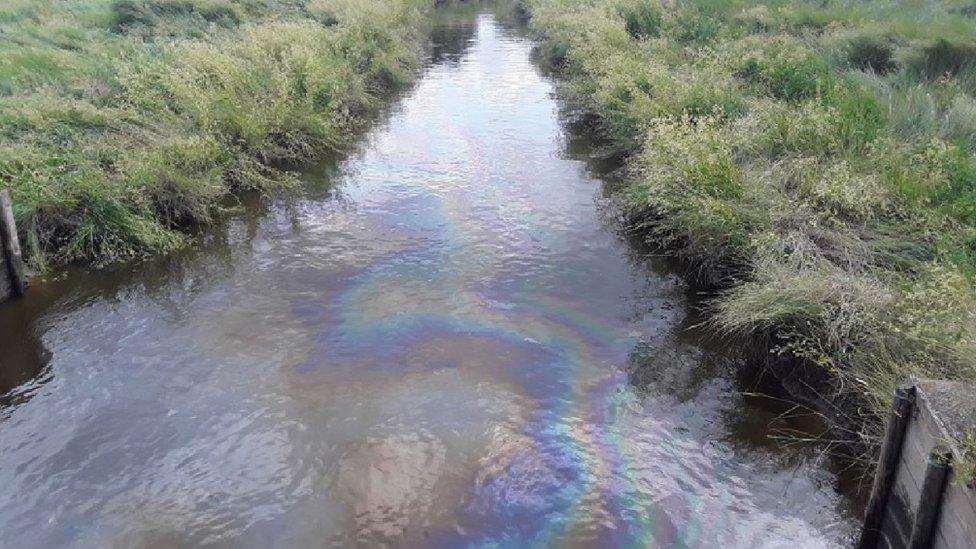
(11, 245)
(901, 409)
(930, 499)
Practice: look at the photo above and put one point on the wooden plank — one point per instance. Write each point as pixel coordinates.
(953, 405)
(897, 524)
(956, 525)
(903, 499)
(955, 537)
(958, 522)
(904, 502)
(887, 470)
(957, 510)
(937, 434)
(948, 518)
(926, 432)
(940, 541)
(927, 515)
(914, 458)
(963, 499)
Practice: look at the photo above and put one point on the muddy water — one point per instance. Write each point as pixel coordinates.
(440, 341)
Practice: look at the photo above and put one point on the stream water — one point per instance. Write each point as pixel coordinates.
(440, 340)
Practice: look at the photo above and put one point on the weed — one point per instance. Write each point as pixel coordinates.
(871, 53)
(943, 58)
(965, 471)
(642, 18)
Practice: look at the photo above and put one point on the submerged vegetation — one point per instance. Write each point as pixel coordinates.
(124, 121)
(814, 160)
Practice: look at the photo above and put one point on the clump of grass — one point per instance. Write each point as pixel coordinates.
(690, 180)
(642, 18)
(792, 73)
(965, 471)
(943, 59)
(796, 80)
(695, 26)
(872, 53)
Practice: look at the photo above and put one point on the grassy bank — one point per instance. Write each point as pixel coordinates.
(814, 160)
(124, 121)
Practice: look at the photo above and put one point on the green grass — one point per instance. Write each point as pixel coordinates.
(813, 160)
(125, 122)
(965, 472)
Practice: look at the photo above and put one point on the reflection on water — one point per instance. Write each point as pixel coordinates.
(444, 344)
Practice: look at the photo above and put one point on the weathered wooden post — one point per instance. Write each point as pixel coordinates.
(930, 498)
(12, 267)
(901, 407)
(919, 500)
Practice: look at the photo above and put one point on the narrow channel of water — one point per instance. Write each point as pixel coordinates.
(441, 341)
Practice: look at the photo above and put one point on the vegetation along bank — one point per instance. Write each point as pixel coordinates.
(812, 160)
(124, 122)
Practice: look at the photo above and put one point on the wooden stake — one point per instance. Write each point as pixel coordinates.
(930, 500)
(11, 245)
(884, 477)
